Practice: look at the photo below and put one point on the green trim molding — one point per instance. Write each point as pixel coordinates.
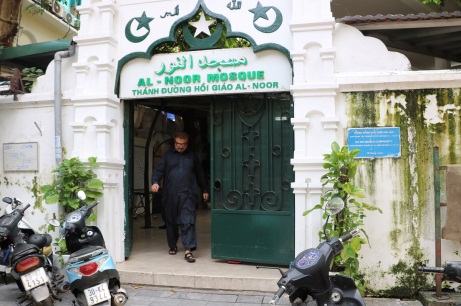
(43, 48)
(38, 55)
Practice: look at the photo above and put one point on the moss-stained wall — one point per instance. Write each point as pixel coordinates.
(403, 187)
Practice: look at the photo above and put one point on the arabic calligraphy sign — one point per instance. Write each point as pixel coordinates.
(206, 72)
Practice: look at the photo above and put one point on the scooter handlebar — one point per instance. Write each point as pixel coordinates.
(277, 295)
(93, 205)
(24, 209)
(431, 269)
(348, 236)
(87, 210)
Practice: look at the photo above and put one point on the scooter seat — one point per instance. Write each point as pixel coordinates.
(40, 240)
(23, 249)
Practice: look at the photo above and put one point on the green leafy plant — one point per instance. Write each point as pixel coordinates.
(341, 169)
(71, 176)
(60, 243)
(437, 2)
(62, 248)
(31, 75)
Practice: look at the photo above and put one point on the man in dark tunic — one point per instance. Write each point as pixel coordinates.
(181, 171)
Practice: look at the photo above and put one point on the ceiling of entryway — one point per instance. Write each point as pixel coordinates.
(406, 24)
(341, 8)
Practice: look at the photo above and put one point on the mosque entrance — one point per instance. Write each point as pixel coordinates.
(245, 143)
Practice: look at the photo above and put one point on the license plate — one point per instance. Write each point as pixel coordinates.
(97, 294)
(34, 279)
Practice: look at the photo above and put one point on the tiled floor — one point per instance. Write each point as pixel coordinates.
(150, 263)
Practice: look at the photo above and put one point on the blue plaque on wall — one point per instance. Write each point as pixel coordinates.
(378, 142)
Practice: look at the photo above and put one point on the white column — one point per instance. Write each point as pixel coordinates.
(103, 138)
(315, 121)
(101, 111)
(79, 132)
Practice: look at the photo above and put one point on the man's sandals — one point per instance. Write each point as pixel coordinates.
(173, 251)
(189, 257)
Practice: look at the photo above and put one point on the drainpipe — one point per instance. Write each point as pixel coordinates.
(58, 56)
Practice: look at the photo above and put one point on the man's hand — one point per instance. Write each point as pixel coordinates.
(155, 187)
(205, 196)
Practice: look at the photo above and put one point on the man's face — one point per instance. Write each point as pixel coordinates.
(180, 144)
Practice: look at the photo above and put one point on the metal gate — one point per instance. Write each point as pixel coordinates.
(252, 200)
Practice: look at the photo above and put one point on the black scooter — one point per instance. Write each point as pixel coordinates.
(30, 258)
(93, 277)
(309, 281)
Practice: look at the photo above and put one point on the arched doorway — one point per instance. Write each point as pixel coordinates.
(243, 92)
(250, 142)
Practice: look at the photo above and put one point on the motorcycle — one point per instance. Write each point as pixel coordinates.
(309, 281)
(451, 272)
(26, 231)
(91, 271)
(29, 257)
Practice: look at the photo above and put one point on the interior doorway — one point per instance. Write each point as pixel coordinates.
(149, 129)
(254, 168)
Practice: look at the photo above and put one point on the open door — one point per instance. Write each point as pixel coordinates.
(252, 200)
(128, 177)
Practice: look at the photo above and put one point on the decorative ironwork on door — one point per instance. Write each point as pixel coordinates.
(252, 200)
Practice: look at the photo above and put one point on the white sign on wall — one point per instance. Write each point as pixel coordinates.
(206, 72)
(20, 156)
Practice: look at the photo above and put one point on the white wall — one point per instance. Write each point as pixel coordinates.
(328, 62)
(41, 27)
(325, 71)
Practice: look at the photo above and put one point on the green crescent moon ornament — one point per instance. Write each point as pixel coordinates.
(143, 22)
(261, 12)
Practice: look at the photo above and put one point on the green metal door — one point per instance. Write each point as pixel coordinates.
(252, 200)
(128, 122)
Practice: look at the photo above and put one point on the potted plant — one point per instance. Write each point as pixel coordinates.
(71, 176)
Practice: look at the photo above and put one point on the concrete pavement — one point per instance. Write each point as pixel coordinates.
(152, 277)
(140, 295)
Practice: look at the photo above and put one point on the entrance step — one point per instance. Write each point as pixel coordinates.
(228, 277)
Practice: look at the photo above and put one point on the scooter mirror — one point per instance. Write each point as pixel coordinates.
(334, 206)
(81, 195)
(55, 222)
